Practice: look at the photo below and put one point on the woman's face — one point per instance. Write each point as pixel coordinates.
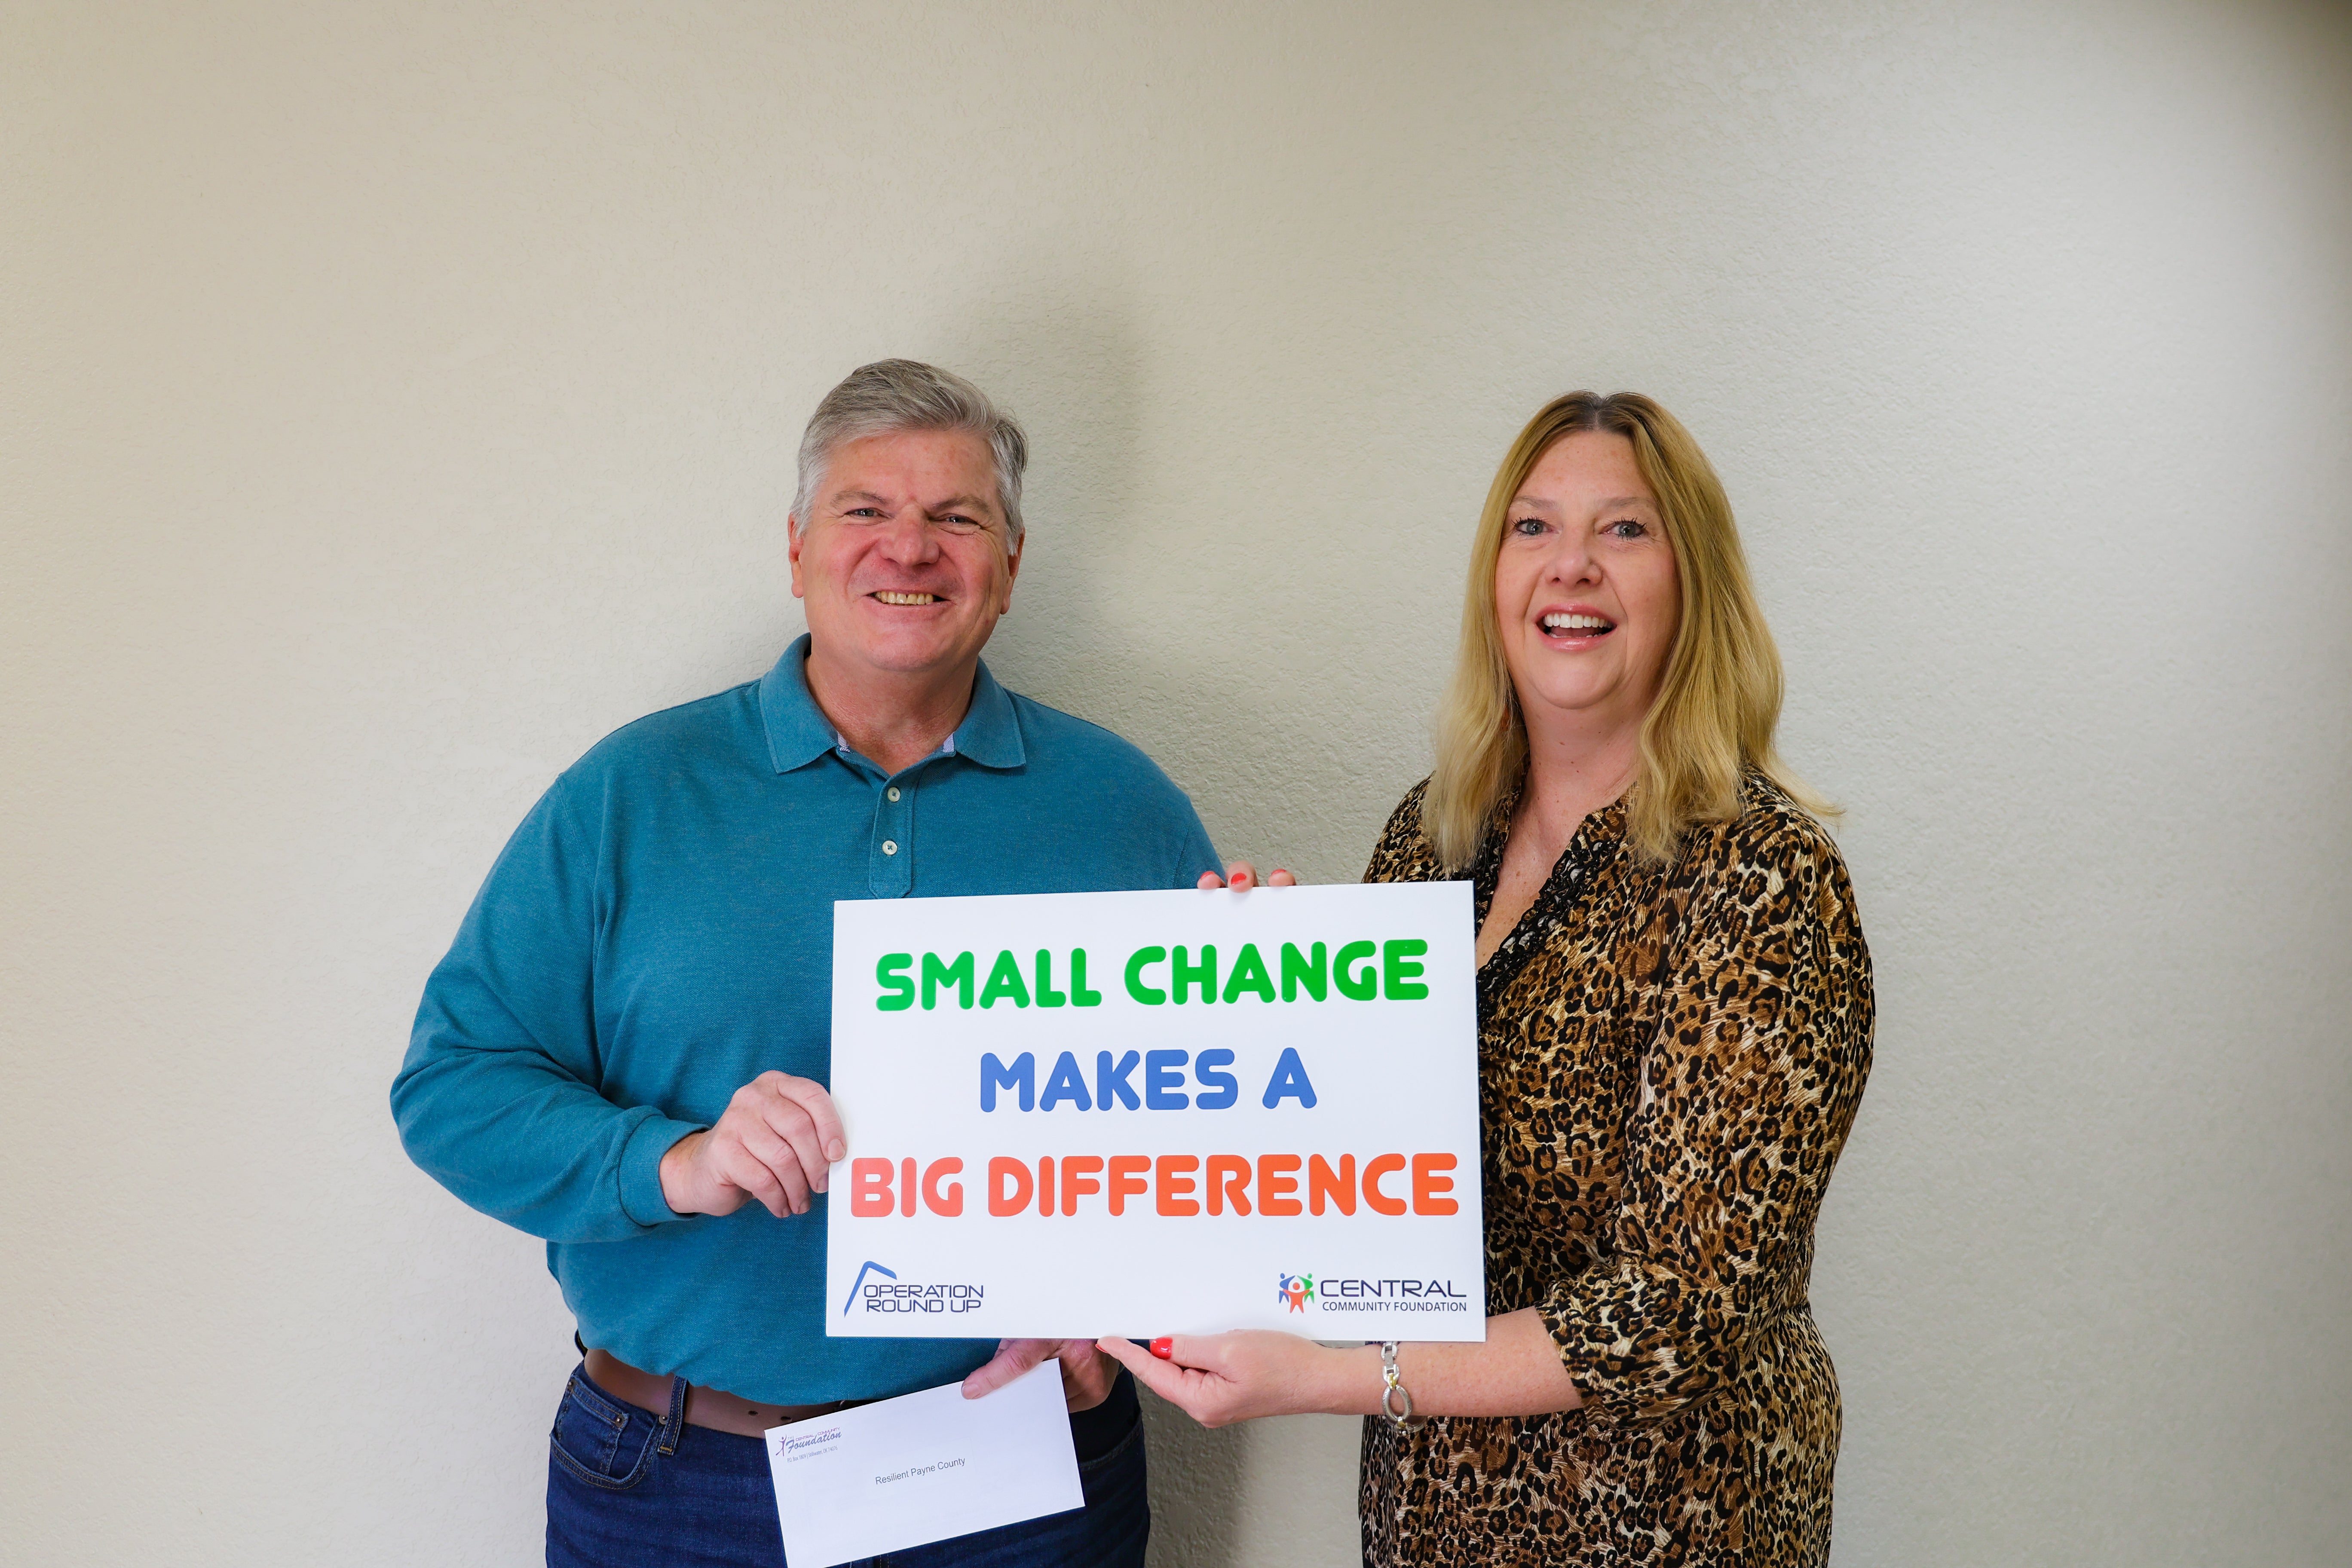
(1585, 597)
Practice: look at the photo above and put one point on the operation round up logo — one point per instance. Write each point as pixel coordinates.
(890, 1294)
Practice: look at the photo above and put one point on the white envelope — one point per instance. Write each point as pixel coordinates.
(922, 1467)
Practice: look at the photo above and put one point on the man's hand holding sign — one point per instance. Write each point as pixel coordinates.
(774, 1146)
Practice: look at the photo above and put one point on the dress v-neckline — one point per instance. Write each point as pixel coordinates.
(1595, 838)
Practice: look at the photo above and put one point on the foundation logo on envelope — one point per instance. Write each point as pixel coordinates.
(791, 1447)
(890, 1294)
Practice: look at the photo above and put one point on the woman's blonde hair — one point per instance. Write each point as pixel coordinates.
(1719, 701)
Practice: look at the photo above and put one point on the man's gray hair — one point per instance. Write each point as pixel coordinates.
(894, 394)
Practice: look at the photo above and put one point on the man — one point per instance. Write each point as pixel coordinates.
(625, 1051)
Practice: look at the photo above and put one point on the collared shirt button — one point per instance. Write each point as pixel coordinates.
(890, 846)
(893, 792)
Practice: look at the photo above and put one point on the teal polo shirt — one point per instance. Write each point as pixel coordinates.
(658, 932)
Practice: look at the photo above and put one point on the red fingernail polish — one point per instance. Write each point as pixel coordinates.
(1163, 1347)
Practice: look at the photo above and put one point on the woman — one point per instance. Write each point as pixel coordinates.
(1674, 1025)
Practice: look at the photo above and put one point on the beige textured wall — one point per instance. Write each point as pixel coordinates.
(396, 398)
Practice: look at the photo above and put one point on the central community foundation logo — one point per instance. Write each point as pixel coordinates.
(1296, 1289)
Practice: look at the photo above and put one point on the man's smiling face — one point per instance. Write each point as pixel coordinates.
(905, 563)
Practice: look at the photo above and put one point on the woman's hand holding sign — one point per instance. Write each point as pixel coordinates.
(774, 1145)
(1241, 875)
(1218, 1378)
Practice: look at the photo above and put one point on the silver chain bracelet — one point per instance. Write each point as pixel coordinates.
(1392, 1389)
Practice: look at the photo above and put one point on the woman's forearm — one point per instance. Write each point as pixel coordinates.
(1218, 1378)
(1518, 1372)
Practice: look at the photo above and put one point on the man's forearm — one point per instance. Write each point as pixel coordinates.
(523, 1142)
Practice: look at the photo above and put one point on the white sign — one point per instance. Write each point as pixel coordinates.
(926, 1466)
(1159, 1112)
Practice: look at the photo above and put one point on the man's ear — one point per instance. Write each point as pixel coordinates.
(1011, 572)
(794, 538)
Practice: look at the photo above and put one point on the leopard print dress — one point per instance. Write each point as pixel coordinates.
(1670, 1060)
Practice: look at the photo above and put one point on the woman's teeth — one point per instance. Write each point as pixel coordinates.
(889, 598)
(1566, 622)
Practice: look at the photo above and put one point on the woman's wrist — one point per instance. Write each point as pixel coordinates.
(1351, 1382)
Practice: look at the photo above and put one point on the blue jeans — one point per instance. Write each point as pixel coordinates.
(627, 1487)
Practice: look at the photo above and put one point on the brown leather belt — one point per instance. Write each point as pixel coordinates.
(712, 1407)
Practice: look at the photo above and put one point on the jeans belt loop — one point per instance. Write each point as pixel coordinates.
(674, 1424)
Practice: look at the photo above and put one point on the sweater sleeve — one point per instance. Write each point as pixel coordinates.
(498, 1100)
(1194, 854)
(1744, 1098)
